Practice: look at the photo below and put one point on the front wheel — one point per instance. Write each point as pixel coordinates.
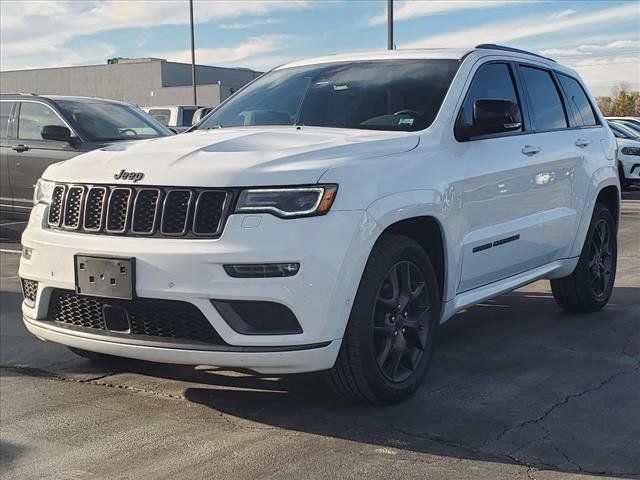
(589, 287)
(388, 344)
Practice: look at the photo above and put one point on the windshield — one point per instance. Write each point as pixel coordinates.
(377, 95)
(101, 121)
(622, 131)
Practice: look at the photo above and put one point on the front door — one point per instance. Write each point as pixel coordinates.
(506, 189)
(30, 154)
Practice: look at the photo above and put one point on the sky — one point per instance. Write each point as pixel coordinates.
(600, 39)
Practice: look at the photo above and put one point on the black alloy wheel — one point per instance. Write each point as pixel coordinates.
(600, 259)
(401, 321)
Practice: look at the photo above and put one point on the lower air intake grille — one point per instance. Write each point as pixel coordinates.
(169, 319)
(29, 290)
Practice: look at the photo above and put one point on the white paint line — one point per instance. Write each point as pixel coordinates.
(12, 223)
(6, 250)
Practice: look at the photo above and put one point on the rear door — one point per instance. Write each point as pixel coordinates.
(6, 196)
(569, 148)
(30, 154)
(590, 139)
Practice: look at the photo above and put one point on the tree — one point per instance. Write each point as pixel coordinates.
(625, 102)
(604, 104)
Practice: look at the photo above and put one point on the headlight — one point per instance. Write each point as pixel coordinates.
(43, 191)
(631, 151)
(288, 202)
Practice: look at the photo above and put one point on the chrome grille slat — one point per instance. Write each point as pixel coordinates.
(194, 212)
(94, 207)
(211, 206)
(175, 212)
(118, 209)
(73, 203)
(145, 211)
(56, 207)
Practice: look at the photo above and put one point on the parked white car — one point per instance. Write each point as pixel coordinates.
(628, 153)
(177, 117)
(329, 217)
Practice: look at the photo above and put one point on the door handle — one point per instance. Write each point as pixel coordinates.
(20, 148)
(582, 143)
(530, 150)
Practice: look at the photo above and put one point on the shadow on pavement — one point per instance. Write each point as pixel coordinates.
(515, 380)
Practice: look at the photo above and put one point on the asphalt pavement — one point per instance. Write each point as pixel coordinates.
(518, 389)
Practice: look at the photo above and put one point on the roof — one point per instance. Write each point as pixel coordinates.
(54, 98)
(428, 53)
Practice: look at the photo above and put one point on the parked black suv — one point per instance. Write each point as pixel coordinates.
(36, 131)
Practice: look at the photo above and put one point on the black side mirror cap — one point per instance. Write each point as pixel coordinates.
(490, 116)
(56, 132)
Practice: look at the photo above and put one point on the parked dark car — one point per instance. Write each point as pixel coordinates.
(36, 131)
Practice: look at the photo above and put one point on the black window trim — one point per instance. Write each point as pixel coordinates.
(10, 135)
(16, 129)
(527, 124)
(565, 98)
(561, 96)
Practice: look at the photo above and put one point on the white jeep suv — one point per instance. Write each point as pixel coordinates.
(329, 216)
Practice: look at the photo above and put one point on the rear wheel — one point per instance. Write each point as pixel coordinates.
(589, 287)
(388, 344)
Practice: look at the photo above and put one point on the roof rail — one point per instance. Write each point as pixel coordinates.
(20, 93)
(492, 46)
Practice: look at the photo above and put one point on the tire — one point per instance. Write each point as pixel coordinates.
(98, 358)
(372, 366)
(580, 291)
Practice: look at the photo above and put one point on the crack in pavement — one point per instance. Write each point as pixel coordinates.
(564, 401)
(477, 452)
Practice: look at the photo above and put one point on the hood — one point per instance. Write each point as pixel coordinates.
(245, 156)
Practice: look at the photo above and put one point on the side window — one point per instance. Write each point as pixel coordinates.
(546, 105)
(33, 116)
(491, 81)
(5, 112)
(162, 115)
(187, 116)
(581, 109)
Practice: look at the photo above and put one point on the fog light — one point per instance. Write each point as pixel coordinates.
(26, 253)
(262, 270)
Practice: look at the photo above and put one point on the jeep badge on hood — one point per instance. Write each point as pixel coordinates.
(124, 175)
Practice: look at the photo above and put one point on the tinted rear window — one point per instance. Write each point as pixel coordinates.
(548, 112)
(579, 105)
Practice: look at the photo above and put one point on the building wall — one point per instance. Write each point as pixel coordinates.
(145, 83)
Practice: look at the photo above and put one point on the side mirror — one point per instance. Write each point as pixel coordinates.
(491, 116)
(56, 132)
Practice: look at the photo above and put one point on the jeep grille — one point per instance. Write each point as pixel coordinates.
(140, 211)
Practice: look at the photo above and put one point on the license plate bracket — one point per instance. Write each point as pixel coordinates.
(109, 277)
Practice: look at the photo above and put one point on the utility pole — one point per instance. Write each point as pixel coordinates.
(193, 56)
(389, 24)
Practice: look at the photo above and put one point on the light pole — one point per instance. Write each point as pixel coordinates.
(193, 55)
(389, 24)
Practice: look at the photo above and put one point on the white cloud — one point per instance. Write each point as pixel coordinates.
(510, 30)
(601, 75)
(251, 24)
(591, 48)
(563, 13)
(253, 48)
(413, 9)
(44, 27)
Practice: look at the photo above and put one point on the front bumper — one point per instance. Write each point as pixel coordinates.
(329, 250)
(631, 166)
